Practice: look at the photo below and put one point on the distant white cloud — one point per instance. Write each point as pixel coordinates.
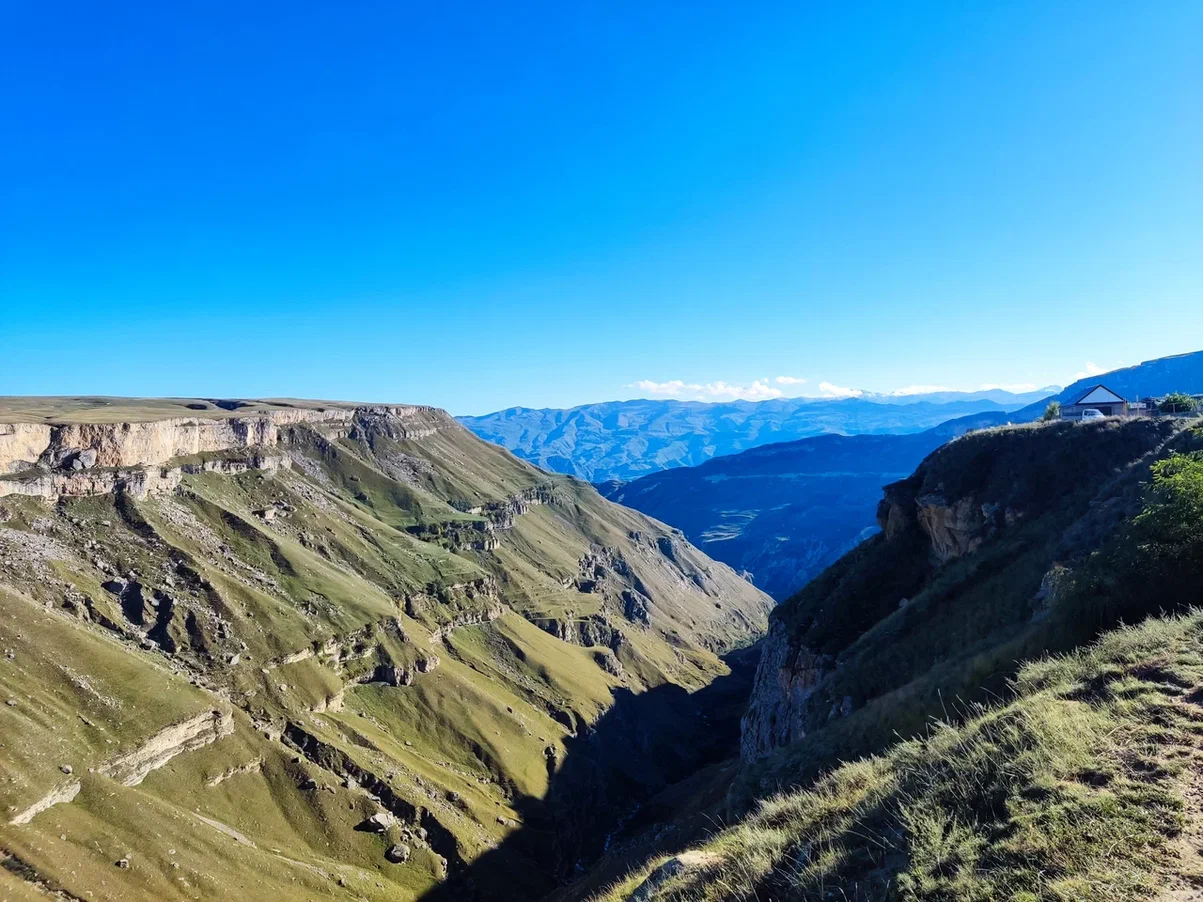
(919, 390)
(792, 386)
(1092, 369)
(827, 390)
(759, 390)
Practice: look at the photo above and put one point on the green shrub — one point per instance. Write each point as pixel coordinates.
(1178, 402)
(1156, 564)
(1052, 412)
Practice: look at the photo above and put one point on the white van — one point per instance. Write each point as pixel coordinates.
(1091, 414)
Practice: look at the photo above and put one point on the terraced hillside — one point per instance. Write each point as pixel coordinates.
(300, 650)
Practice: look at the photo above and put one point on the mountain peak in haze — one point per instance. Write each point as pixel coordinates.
(627, 439)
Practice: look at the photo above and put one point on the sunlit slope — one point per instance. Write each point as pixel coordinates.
(395, 620)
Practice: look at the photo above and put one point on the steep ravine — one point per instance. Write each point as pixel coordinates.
(366, 650)
(641, 747)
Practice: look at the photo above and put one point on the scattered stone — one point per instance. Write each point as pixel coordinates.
(66, 768)
(123, 863)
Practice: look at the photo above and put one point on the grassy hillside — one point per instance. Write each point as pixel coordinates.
(956, 587)
(1082, 786)
(925, 763)
(347, 675)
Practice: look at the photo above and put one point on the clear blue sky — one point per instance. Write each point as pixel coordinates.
(484, 205)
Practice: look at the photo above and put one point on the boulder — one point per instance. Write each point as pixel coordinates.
(397, 853)
(379, 822)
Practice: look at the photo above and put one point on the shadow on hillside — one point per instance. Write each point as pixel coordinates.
(641, 745)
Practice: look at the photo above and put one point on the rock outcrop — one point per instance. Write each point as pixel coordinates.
(136, 481)
(60, 794)
(785, 680)
(197, 732)
(21, 444)
(961, 501)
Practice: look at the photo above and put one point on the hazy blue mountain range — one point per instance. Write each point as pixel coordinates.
(785, 512)
(627, 439)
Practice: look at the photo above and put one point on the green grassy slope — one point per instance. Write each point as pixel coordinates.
(1069, 777)
(406, 622)
(1075, 789)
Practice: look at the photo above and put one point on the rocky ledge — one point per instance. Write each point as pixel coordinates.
(74, 459)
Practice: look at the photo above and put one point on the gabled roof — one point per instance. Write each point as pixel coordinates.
(1100, 394)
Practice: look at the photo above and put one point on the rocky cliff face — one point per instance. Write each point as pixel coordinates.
(952, 528)
(77, 459)
(997, 495)
(21, 444)
(785, 679)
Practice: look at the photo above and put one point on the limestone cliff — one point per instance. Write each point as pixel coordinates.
(21, 444)
(76, 459)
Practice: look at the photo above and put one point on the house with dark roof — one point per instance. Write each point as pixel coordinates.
(1099, 398)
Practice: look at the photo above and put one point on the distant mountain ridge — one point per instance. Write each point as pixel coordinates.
(628, 439)
(785, 512)
(1152, 378)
